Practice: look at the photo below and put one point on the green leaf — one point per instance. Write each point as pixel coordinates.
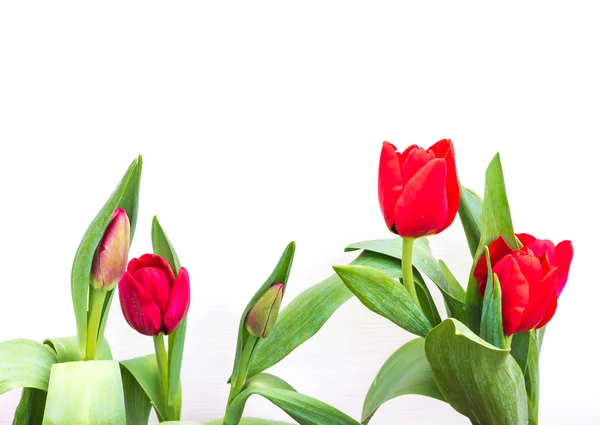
(67, 349)
(24, 363)
(303, 409)
(243, 421)
(491, 317)
(85, 393)
(162, 246)
(280, 274)
(426, 300)
(125, 195)
(495, 221)
(309, 311)
(30, 410)
(384, 296)
(526, 351)
(469, 211)
(145, 371)
(407, 371)
(137, 403)
(423, 261)
(479, 380)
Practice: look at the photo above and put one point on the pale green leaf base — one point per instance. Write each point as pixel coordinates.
(85, 393)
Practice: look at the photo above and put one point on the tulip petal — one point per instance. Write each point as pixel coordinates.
(156, 283)
(542, 301)
(403, 155)
(564, 255)
(179, 301)
(138, 308)
(422, 208)
(530, 266)
(415, 160)
(153, 260)
(498, 249)
(515, 293)
(445, 149)
(390, 183)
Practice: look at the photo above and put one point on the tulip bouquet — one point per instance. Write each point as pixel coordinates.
(480, 355)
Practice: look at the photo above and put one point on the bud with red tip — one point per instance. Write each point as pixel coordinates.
(263, 315)
(110, 258)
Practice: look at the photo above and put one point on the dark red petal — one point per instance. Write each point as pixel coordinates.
(564, 255)
(515, 293)
(498, 249)
(415, 160)
(390, 182)
(422, 208)
(134, 265)
(445, 149)
(542, 296)
(156, 284)
(525, 238)
(540, 247)
(138, 308)
(179, 301)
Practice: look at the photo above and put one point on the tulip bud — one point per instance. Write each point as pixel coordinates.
(110, 258)
(263, 315)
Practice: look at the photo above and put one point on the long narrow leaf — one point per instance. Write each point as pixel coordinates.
(126, 196)
(145, 371)
(470, 217)
(30, 410)
(303, 409)
(491, 316)
(309, 311)
(163, 247)
(525, 349)
(495, 221)
(137, 403)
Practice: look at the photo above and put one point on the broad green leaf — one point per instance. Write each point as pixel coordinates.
(309, 311)
(479, 380)
(30, 410)
(67, 349)
(243, 421)
(470, 217)
(279, 274)
(495, 221)
(384, 296)
(85, 393)
(407, 371)
(24, 364)
(163, 247)
(137, 403)
(491, 316)
(525, 349)
(145, 371)
(125, 195)
(424, 262)
(303, 409)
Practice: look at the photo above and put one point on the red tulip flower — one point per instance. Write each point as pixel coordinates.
(153, 300)
(418, 188)
(531, 279)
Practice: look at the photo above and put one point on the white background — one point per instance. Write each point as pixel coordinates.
(263, 123)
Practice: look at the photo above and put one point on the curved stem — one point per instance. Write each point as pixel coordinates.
(244, 363)
(94, 318)
(407, 271)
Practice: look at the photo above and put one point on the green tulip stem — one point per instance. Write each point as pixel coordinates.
(94, 317)
(507, 341)
(407, 271)
(244, 363)
(163, 371)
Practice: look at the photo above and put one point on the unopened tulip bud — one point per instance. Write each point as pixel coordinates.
(263, 315)
(110, 258)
